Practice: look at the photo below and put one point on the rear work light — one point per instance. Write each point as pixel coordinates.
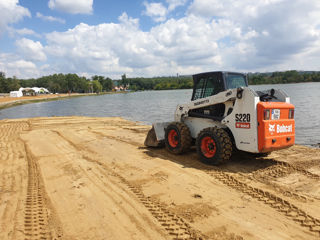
(266, 114)
(291, 113)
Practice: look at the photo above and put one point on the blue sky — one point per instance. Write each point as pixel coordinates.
(157, 38)
(103, 11)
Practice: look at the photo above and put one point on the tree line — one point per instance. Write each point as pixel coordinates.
(283, 77)
(58, 83)
(156, 83)
(65, 83)
(186, 82)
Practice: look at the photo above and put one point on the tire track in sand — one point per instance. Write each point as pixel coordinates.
(12, 181)
(40, 221)
(278, 169)
(281, 169)
(281, 205)
(174, 225)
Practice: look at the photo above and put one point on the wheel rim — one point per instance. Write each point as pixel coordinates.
(208, 147)
(173, 138)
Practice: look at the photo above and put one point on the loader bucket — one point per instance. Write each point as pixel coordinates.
(151, 139)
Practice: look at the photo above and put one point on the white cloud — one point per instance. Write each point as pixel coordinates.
(30, 50)
(113, 49)
(187, 41)
(50, 18)
(13, 65)
(72, 6)
(274, 31)
(175, 3)
(25, 31)
(21, 32)
(156, 11)
(219, 38)
(11, 12)
(128, 21)
(266, 35)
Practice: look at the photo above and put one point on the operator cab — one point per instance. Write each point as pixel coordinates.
(212, 83)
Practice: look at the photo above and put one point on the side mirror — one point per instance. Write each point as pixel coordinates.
(272, 91)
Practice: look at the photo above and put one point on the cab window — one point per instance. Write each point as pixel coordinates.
(207, 87)
(235, 81)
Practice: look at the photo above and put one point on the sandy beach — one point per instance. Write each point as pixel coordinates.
(92, 178)
(6, 101)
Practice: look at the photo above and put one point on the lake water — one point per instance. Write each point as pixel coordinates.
(153, 106)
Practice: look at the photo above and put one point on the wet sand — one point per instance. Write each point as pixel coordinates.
(92, 178)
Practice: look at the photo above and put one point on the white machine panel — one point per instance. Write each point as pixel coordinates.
(243, 121)
(195, 125)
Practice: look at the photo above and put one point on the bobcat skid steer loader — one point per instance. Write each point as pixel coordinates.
(224, 113)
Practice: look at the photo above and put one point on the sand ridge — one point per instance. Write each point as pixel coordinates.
(92, 178)
(7, 102)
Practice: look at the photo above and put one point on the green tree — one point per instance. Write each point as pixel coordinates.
(97, 87)
(13, 84)
(124, 80)
(106, 83)
(3, 83)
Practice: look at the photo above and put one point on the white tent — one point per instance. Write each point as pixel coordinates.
(36, 90)
(40, 90)
(16, 94)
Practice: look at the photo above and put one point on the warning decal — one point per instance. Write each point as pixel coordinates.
(242, 125)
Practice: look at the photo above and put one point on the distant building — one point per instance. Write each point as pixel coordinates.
(119, 88)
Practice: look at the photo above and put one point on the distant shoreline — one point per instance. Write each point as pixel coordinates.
(7, 102)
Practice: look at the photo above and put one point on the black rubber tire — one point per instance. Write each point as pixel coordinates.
(183, 137)
(222, 142)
